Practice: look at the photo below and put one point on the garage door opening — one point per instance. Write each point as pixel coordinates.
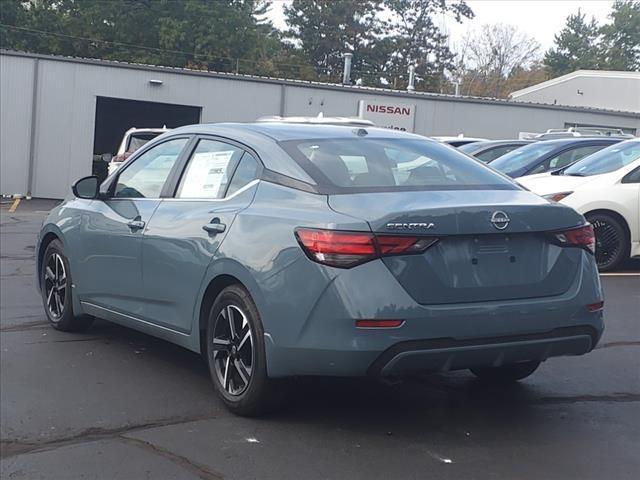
(114, 116)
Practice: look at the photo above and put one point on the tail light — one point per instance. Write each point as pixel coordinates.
(344, 249)
(578, 237)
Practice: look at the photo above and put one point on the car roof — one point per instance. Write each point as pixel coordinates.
(282, 131)
(563, 142)
(503, 142)
(480, 147)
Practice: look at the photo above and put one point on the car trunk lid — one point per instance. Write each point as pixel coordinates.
(493, 244)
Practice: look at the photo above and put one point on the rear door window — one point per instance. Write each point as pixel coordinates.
(571, 156)
(209, 169)
(246, 172)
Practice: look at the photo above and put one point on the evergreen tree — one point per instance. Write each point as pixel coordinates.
(576, 47)
(326, 29)
(416, 38)
(621, 37)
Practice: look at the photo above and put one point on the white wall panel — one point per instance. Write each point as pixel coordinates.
(16, 96)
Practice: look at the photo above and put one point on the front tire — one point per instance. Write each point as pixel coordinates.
(506, 373)
(612, 242)
(55, 286)
(236, 353)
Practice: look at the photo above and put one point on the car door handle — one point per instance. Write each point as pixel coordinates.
(136, 224)
(214, 227)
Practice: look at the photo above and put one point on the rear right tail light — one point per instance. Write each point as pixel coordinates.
(344, 249)
(583, 237)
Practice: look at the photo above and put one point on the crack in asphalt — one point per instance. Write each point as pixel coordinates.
(616, 397)
(198, 469)
(623, 343)
(11, 448)
(25, 326)
(17, 257)
(71, 340)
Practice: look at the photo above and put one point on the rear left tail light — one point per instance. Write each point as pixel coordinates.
(343, 249)
(578, 237)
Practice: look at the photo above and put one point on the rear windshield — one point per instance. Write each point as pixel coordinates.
(363, 164)
(606, 160)
(522, 158)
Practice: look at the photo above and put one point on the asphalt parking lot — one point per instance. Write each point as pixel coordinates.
(116, 404)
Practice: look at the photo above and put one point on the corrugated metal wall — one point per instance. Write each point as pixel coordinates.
(16, 101)
(67, 91)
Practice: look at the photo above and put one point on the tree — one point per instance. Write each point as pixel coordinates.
(576, 47)
(223, 35)
(621, 38)
(416, 39)
(326, 29)
(492, 56)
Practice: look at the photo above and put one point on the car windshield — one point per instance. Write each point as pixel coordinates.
(522, 158)
(139, 139)
(606, 160)
(365, 164)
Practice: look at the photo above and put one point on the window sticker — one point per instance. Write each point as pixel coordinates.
(207, 174)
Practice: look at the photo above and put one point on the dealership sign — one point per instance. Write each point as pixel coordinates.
(398, 116)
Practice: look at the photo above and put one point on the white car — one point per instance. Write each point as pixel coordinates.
(133, 139)
(605, 188)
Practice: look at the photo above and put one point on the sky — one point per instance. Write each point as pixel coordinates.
(541, 19)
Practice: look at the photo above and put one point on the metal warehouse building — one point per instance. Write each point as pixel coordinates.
(594, 88)
(56, 113)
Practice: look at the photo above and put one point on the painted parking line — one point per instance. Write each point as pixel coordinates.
(14, 205)
(621, 274)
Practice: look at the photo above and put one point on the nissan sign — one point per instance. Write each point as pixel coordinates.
(398, 116)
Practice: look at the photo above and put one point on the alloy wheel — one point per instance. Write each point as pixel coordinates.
(55, 285)
(608, 243)
(233, 351)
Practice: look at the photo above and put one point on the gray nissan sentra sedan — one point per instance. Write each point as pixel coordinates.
(280, 250)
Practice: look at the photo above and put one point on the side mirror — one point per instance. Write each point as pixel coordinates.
(86, 187)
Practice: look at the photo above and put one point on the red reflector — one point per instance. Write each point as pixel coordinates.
(395, 244)
(379, 323)
(579, 237)
(594, 307)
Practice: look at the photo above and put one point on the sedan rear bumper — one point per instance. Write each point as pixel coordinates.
(441, 355)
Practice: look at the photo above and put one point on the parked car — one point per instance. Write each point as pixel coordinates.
(280, 250)
(489, 150)
(582, 131)
(605, 188)
(549, 155)
(459, 140)
(133, 139)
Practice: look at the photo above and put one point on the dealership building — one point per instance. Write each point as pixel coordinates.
(56, 113)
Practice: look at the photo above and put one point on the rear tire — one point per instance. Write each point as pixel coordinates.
(612, 242)
(55, 287)
(236, 353)
(506, 373)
